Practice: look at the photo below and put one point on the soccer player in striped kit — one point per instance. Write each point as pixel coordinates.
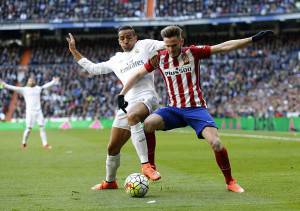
(142, 100)
(180, 69)
(32, 96)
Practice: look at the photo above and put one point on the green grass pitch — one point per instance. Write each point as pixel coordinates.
(266, 164)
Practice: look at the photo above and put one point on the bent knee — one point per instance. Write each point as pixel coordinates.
(216, 145)
(133, 118)
(149, 127)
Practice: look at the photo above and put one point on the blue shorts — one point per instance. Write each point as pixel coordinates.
(196, 117)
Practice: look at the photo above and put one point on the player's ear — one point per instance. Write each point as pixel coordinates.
(181, 41)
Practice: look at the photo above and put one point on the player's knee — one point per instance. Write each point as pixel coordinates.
(148, 127)
(133, 118)
(216, 145)
(29, 129)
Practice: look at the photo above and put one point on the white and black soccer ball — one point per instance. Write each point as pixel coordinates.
(136, 185)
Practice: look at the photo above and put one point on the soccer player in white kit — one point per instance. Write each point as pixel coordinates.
(142, 100)
(32, 95)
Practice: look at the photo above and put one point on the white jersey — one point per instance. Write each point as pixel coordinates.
(32, 95)
(125, 64)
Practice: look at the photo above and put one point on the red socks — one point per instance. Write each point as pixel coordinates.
(151, 142)
(224, 164)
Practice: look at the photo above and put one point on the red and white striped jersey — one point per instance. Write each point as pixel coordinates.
(181, 75)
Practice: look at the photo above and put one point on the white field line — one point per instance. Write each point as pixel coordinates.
(260, 137)
(245, 135)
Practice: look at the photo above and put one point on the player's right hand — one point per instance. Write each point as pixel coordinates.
(71, 41)
(122, 103)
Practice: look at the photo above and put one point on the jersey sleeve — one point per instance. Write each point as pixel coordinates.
(96, 69)
(153, 63)
(14, 88)
(201, 52)
(49, 84)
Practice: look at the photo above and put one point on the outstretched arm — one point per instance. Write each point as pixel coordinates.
(10, 87)
(240, 43)
(54, 81)
(90, 67)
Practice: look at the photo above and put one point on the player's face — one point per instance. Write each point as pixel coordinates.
(31, 82)
(127, 39)
(173, 45)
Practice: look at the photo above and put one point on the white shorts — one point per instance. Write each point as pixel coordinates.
(34, 116)
(151, 102)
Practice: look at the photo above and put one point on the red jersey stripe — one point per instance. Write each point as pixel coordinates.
(180, 90)
(191, 90)
(171, 88)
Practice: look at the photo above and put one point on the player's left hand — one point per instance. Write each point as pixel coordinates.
(261, 35)
(122, 103)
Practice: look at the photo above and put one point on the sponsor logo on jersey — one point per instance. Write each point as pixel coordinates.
(178, 70)
(131, 64)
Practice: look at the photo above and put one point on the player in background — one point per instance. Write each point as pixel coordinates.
(142, 101)
(180, 69)
(32, 95)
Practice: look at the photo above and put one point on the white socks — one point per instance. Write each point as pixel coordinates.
(112, 164)
(139, 141)
(43, 136)
(25, 135)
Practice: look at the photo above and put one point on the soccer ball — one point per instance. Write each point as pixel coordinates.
(136, 185)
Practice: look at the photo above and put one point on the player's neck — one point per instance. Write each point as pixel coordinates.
(176, 55)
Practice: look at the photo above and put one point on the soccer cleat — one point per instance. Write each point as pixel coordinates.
(23, 146)
(153, 166)
(150, 172)
(234, 187)
(105, 185)
(47, 146)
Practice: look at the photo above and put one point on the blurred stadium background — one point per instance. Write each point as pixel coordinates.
(256, 88)
(261, 81)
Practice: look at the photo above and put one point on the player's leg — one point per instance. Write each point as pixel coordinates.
(29, 119)
(158, 120)
(41, 122)
(151, 145)
(203, 123)
(136, 114)
(211, 135)
(25, 137)
(120, 134)
(118, 138)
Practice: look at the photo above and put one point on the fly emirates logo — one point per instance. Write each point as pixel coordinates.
(131, 65)
(178, 70)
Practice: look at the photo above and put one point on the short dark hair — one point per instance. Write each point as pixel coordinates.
(171, 31)
(126, 27)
